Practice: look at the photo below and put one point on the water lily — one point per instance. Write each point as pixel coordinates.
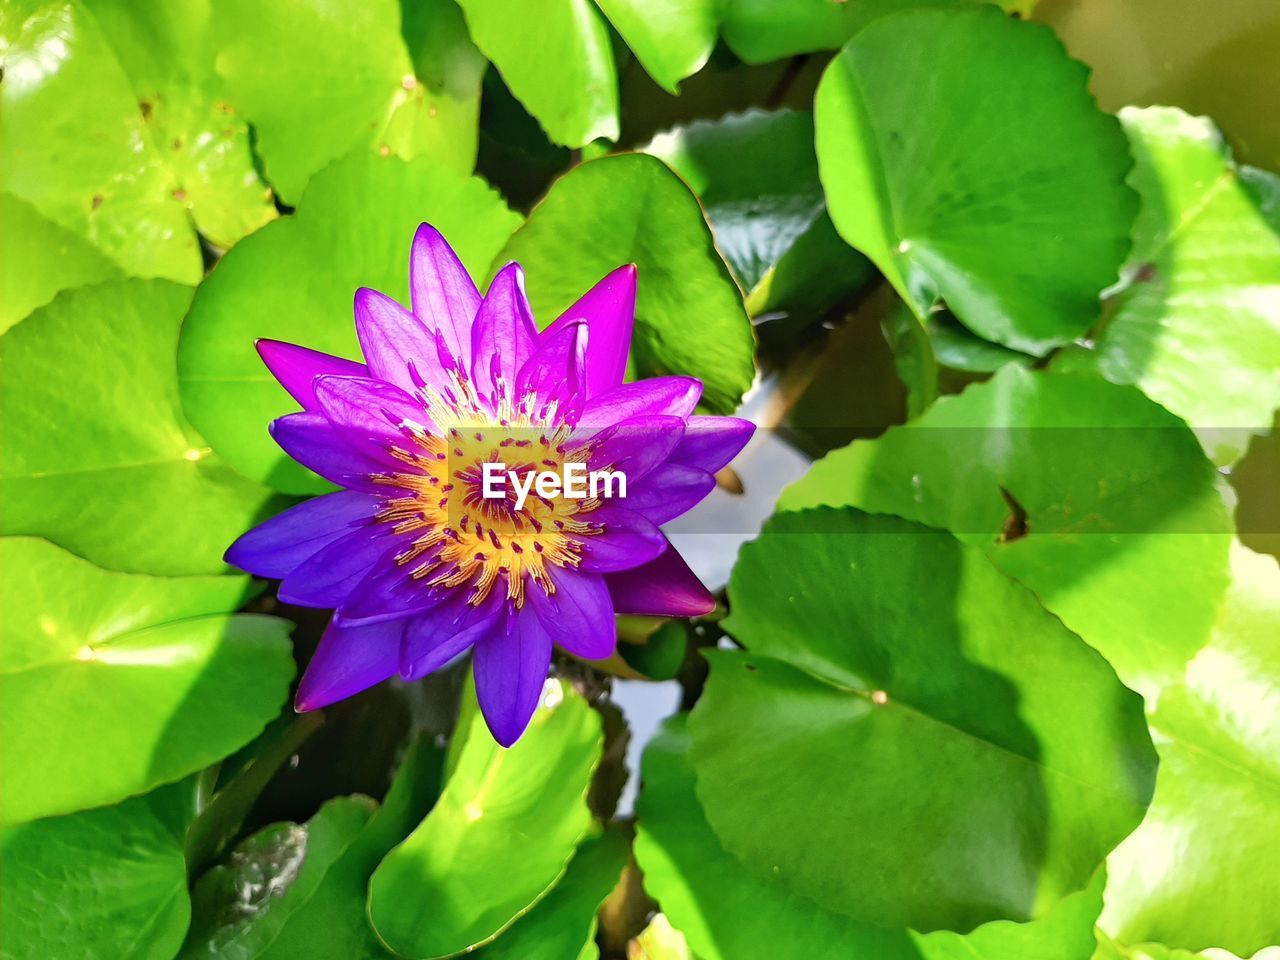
(419, 561)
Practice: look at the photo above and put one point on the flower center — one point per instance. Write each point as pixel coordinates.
(463, 539)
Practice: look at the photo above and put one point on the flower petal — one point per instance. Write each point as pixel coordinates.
(273, 549)
(609, 309)
(436, 637)
(664, 396)
(635, 447)
(510, 668)
(395, 343)
(668, 491)
(369, 408)
(710, 443)
(443, 295)
(327, 577)
(554, 372)
(504, 336)
(348, 660)
(664, 587)
(297, 367)
(388, 591)
(578, 615)
(322, 448)
(627, 540)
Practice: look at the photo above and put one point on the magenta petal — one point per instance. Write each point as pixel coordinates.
(348, 660)
(510, 669)
(297, 367)
(369, 408)
(273, 549)
(504, 336)
(609, 309)
(664, 587)
(710, 443)
(555, 371)
(658, 396)
(318, 445)
(668, 491)
(627, 540)
(443, 295)
(578, 615)
(327, 578)
(434, 638)
(396, 345)
(636, 447)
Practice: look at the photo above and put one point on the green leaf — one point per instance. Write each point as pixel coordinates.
(317, 80)
(98, 456)
(918, 714)
(999, 189)
(107, 883)
(49, 258)
(166, 50)
(1197, 323)
(631, 208)
(1215, 817)
(499, 837)
(728, 913)
(314, 876)
(565, 78)
(672, 39)
(75, 146)
(957, 348)
(762, 30)
(563, 922)
(294, 280)
(659, 941)
(757, 178)
(1089, 493)
(658, 653)
(112, 683)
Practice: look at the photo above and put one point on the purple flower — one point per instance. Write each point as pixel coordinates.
(418, 557)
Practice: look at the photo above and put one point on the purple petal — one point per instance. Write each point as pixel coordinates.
(664, 587)
(627, 540)
(668, 491)
(554, 372)
(274, 548)
(319, 446)
(389, 592)
(510, 669)
(658, 396)
(369, 408)
(609, 309)
(504, 336)
(395, 343)
(635, 447)
(710, 443)
(444, 297)
(578, 615)
(348, 660)
(327, 578)
(436, 637)
(297, 367)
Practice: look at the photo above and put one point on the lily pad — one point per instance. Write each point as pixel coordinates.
(98, 456)
(1092, 495)
(631, 208)
(317, 80)
(1197, 323)
(672, 39)
(917, 714)
(498, 839)
(294, 280)
(152, 677)
(1004, 198)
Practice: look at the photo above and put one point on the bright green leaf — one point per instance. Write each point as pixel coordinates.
(295, 279)
(105, 884)
(555, 56)
(1197, 324)
(671, 38)
(659, 941)
(499, 837)
(632, 209)
(319, 79)
(960, 150)
(1113, 515)
(48, 259)
(74, 144)
(918, 714)
(112, 683)
(1215, 817)
(98, 456)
